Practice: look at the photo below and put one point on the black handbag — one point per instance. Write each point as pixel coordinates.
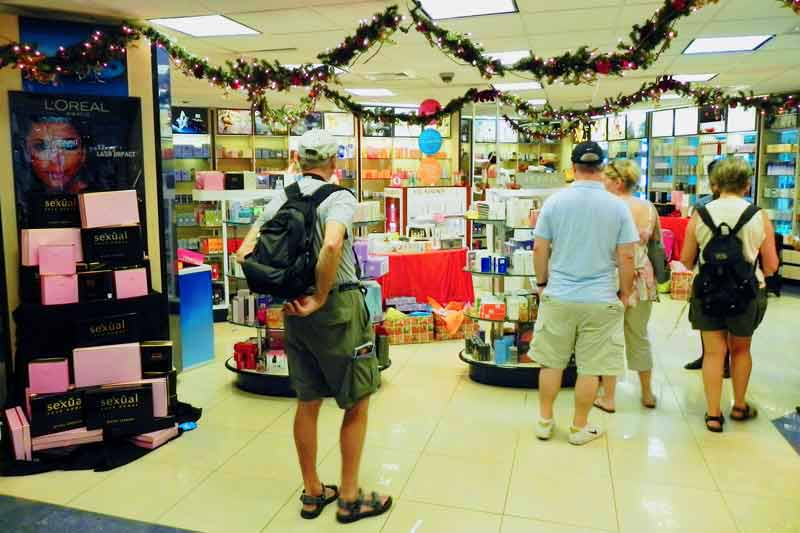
(658, 256)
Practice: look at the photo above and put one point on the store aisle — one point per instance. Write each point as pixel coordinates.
(461, 457)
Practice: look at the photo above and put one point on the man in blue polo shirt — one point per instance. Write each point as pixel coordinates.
(584, 248)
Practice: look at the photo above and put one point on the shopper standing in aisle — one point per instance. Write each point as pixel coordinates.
(584, 235)
(328, 341)
(622, 178)
(721, 328)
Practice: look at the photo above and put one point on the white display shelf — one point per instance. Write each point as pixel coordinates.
(233, 196)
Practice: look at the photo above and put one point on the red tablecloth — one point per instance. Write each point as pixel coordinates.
(438, 274)
(678, 227)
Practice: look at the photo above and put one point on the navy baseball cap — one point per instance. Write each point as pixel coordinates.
(588, 153)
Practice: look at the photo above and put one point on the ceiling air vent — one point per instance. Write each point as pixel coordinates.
(389, 76)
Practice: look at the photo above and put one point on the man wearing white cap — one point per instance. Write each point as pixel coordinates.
(323, 333)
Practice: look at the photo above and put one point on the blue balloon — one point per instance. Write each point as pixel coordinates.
(430, 141)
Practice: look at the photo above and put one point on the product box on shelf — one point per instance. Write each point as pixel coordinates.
(108, 209)
(119, 246)
(410, 330)
(106, 330)
(154, 439)
(47, 376)
(59, 290)
(63, 439)
(681, 285)
(130, 283)
(234, 181)
(156, 356)
(53, 413)
(209, 180)
(114, 405)
(171, 378)
(95, 285)
(32, 239)
(102, 365)
(376, 266)
(54, 210)
(467, 329)
(493, 311)
(161, 393)
(19, 430)
(57, 259)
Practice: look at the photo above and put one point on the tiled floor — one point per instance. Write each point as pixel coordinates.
(461, 457)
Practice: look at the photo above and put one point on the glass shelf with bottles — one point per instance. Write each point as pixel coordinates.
(778, 171)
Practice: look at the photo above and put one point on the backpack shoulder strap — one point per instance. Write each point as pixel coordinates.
(705, 216)
(746, 217)
(293, 192)
(322, 194)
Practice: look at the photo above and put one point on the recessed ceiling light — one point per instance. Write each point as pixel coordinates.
(509, 58)
(206, 26)
(370, 92)
(718, 45)
(448, 9)
(537, 101)
(671, 96)
(689, 78)
(522, 86)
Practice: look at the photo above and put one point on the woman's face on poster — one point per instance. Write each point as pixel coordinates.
(56, 152)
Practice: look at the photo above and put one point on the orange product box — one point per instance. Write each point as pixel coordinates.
(681, 285)
(493, 311)
(275, 317)
(468, 329)
(410, 330)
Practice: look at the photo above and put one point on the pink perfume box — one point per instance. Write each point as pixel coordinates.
(106, 209)
(58, 290)
(103, 365)
(130, 283)
(160, 394)
(63, 439)
(209, 180)
(57, 259)
(32, 239)
(48, 376)
(155, 439)
(16, 427)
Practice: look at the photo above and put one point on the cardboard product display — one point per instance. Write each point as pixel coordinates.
(681, 285)
(47, 376)
(119, 246)
(54, 413)
(32, 239)
(468, 329)
(54, 210)
(96, 285)
(410, 330)
(113, 329)
(156, 356)
(103, 365)
(130, 283)
(57, 259)
(117, 405)
(109, 209)
(59, 290)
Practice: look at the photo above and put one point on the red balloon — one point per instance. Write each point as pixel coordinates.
(429, 107)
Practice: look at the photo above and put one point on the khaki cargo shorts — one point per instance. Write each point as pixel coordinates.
(320, 350)
(594, 332)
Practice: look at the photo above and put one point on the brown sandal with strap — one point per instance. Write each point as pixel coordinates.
(354, 512)
(740, 414)
(320, 502)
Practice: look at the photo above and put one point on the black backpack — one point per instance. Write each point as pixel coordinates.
(284, 261)
(726, 282)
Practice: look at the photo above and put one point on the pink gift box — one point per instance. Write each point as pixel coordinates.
(59, 290)
(103, 365)
(33, 239)
(154, 439)
(106, 209)
(130, 283)
(17, 424)
(48, 376)
(160, 394)
(57, 259)
(209, 180)
(63, 439)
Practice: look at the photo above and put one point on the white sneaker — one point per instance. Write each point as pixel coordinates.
(545, 428)
(584, 435)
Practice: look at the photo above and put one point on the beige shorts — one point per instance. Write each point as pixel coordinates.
(594, 332)
(637, 342)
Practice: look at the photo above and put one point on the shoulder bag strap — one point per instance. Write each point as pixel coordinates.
(705, 216)
(746, 217)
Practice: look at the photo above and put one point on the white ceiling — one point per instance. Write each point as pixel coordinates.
(306, 27)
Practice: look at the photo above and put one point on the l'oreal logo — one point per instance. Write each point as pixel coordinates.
(108, 327)
(111, 237)
(60, 406)
(127, 401)
(75, 106)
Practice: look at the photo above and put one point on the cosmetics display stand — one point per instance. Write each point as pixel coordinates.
(522, 372)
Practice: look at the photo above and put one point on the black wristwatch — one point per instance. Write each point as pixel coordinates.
(542, 284)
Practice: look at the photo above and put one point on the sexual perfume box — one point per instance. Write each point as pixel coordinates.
(103, 365)
(111, 329)
(108, 209)
(114, 405)
(53, 413)
(130, 283)
(32, 239)
(96, 285)
(118, 246)
(156, 356)
(47, 376)
(57, 259)
(59, 290)
(53, 210)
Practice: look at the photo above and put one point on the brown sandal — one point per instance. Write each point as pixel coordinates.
(320, 502)
(740, 414)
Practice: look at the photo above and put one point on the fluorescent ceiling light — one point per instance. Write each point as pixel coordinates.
(509, 58)
(523, 86)
(448, 9)
(388, 104)
(671, 96)
(370, 92)
(206, 26)
(537, 101)
(718, 45)
(690, 78)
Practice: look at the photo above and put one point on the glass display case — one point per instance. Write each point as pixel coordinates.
(777, 190)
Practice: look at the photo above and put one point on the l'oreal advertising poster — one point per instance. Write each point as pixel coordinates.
(74, 144)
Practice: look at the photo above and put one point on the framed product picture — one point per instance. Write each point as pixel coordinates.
(742, 119)
(686, 121)
(616, 127)
(663, 123)
(270, 129)
(377, 129)
(636, 127)
(234, 122)
(404, 129)
(190, 120)
(485, 130)
(313, 121)
(68, 144)
(712, 119)
(599, 129)
(340, 124)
